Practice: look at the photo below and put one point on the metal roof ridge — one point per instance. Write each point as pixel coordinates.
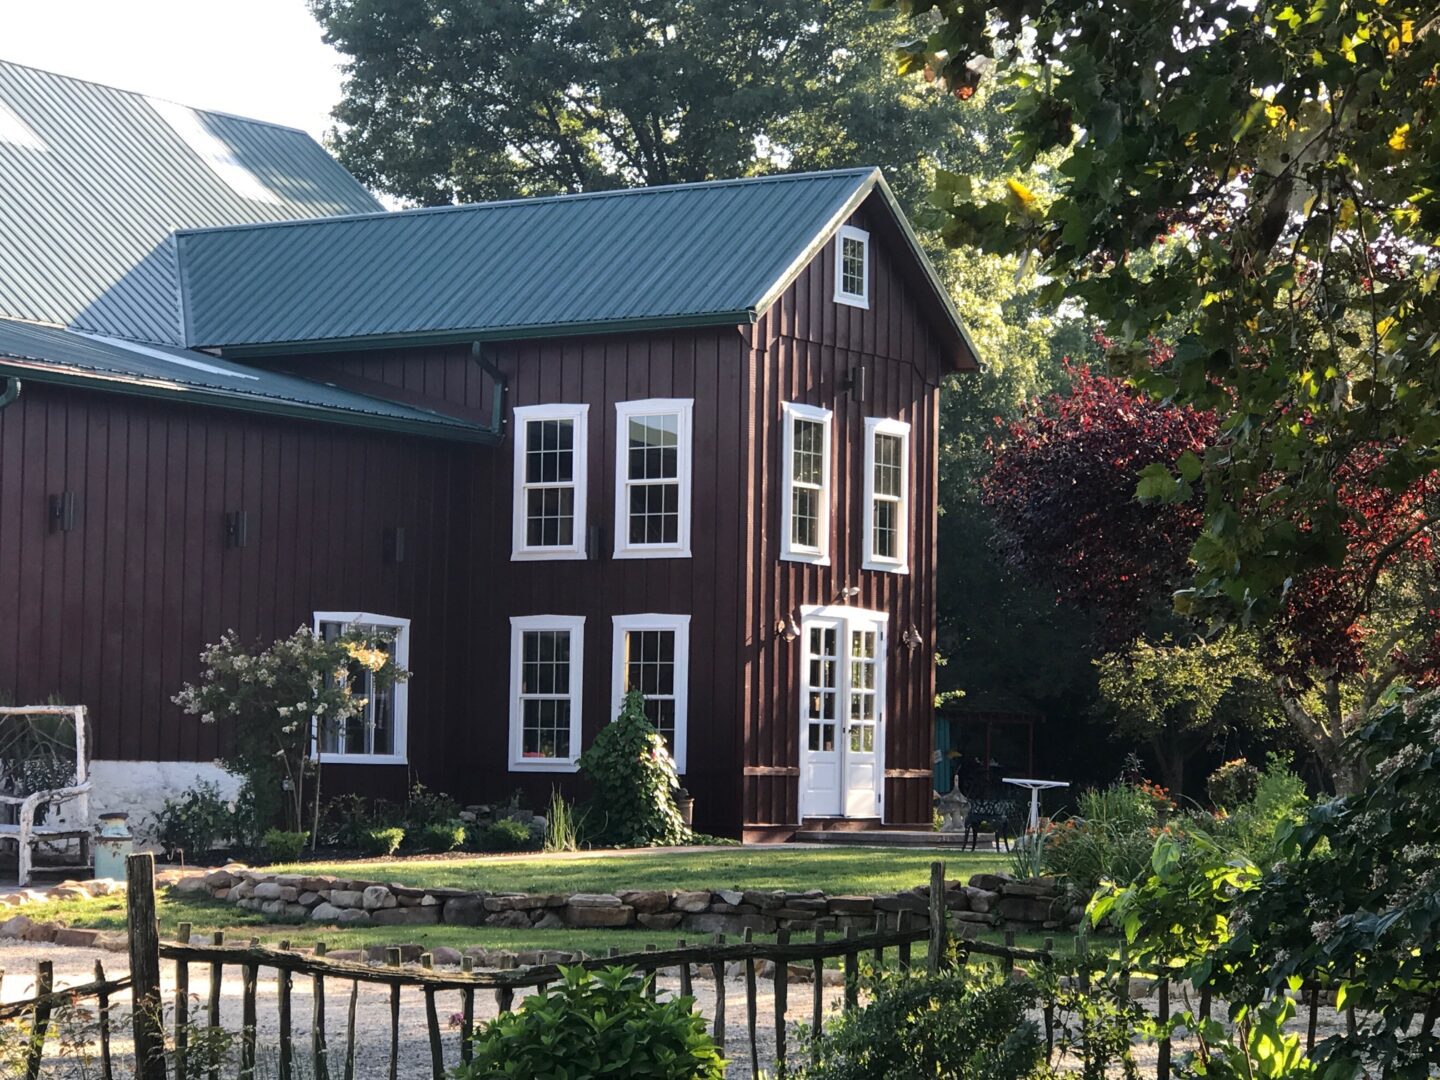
(155, 97)
(532, 200)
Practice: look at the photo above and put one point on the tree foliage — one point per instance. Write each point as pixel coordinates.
(1252, 184)
(634, 781)
(467, 100)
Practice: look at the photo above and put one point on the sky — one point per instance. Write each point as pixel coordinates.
(259, 58)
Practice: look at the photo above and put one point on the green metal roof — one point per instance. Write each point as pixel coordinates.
(94, 180)
(690, 254)
(52, 355)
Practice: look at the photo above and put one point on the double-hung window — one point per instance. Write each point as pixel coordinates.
(652, 655)
(852, 267)
(550, 472)
(887, 495)
(376, 736)
(805, 480)
(546, 659)
(652, 478)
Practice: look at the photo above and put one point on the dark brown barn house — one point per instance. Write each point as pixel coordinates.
(680, 438)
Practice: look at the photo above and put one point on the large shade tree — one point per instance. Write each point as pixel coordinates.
(1344, 637)
(1253, 184)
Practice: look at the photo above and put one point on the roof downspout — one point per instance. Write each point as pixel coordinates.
(498, 412)
(11, 391)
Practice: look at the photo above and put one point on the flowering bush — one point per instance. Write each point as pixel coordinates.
(635, 781)
(276, 700)
(1233, 783)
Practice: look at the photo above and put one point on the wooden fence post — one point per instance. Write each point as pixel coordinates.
(40, 1023)
(936, 960)
(147, 1022)
(750, 990)
(102, 1007)
(182, 1009)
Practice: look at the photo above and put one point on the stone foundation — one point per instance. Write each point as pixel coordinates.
(994, 901)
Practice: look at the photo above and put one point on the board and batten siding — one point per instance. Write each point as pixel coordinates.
(114, 613)
(803, 350)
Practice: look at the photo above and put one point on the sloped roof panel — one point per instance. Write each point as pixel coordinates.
(93, 180)
(686, 253)
(50, 354)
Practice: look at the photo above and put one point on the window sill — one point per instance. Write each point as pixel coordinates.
(884, 567)
(651, 553)
(543, 555)
(360, 759)
(544, 765)
(813, 558)
(853, 301)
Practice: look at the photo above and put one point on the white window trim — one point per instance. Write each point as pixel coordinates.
(518, 625)
(684, 408)
(819, 556)
(877, 425)
(401, 690)
(680, 624)
(522, 415)
(860, 299)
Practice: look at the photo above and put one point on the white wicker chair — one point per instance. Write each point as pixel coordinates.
(22, 742)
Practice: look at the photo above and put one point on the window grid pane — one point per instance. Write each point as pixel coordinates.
(372, 730)
(822, 689)
(544, 694)
(888, 494)
(550, 483)
(653, 479)
(852, 266)
(807, 475)
(649, 667)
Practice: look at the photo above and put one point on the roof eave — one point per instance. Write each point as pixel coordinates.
(165, 390)
(409, 339)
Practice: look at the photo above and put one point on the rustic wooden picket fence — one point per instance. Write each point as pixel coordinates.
(149, 1026)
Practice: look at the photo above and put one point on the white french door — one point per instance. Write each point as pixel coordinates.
(842, 713)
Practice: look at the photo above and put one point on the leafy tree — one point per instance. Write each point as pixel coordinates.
(1252, 184)
(1179, 698)
(1344, 637)
(467, 100)
(634, 781)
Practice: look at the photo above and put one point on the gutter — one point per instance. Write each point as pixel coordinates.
(12, 391)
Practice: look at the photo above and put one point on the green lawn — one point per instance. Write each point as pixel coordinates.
(835, 871)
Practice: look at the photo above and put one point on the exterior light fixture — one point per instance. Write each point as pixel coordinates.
(237, 528)
(62, 512)
(851, 592)
(395, 544)
(912, 638)
(792, 630)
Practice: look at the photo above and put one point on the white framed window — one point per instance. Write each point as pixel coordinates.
(805, 483)
(652, 478)
(378, 735)
(550, 474)
(887, 495)
(547, 654)
(852, 267)
(652, 654)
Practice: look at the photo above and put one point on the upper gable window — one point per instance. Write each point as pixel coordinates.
(887, 495)
(852, 267)
(806, 481)
(652, 478)
(550, 471)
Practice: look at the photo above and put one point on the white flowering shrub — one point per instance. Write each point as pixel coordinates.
(274, 700)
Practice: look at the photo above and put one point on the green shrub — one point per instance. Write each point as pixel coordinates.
(281, 846)
(1233, 783)
(960, 1024)
(425, 807)
(381, 840)
(593, 1025)
(634, 779)
(1109, 839)
(506, 834)
(193, 822)
(441, 837)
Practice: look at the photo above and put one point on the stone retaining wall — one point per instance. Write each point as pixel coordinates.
(988, 900)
